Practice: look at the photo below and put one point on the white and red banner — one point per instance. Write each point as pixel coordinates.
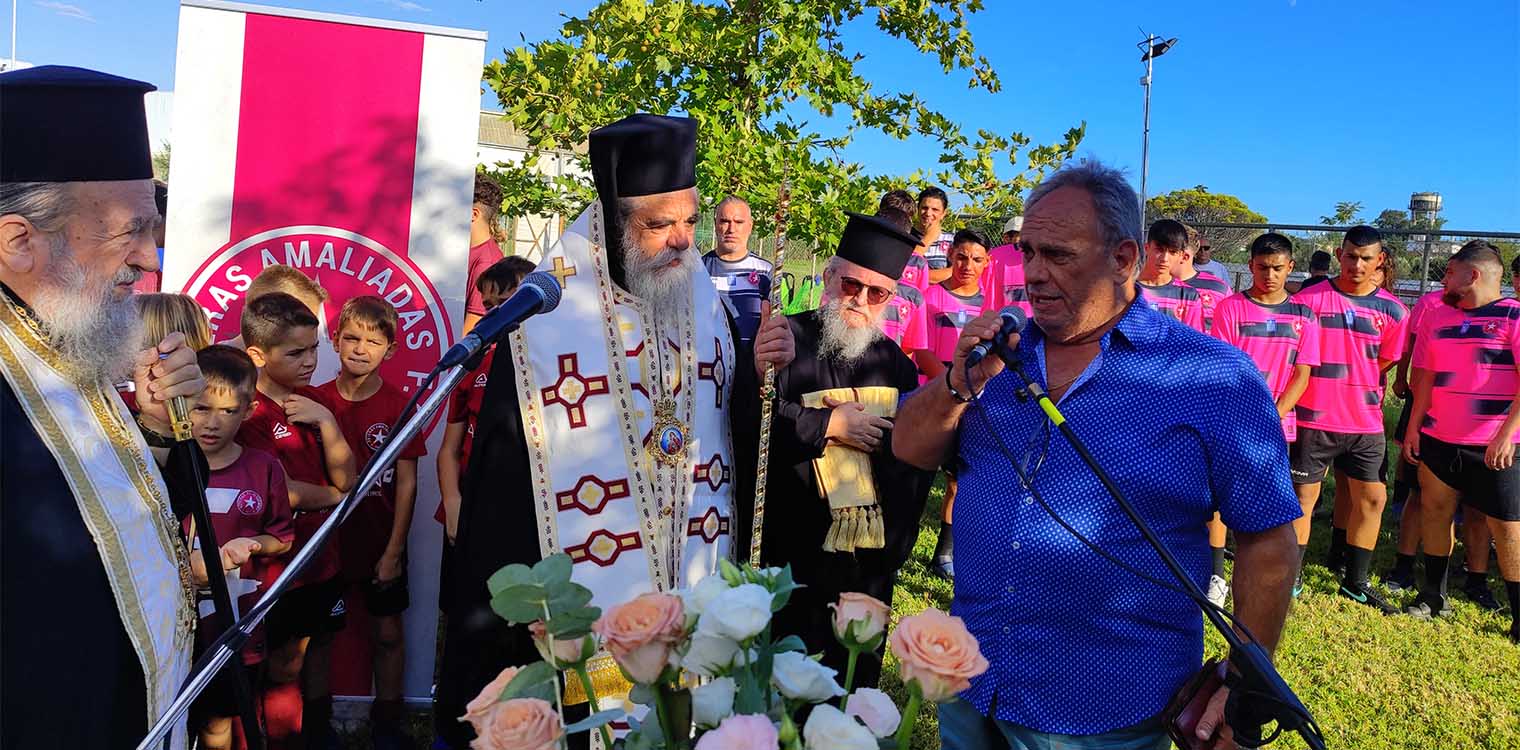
(343, 147)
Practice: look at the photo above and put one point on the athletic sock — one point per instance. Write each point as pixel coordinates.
(1403, 566)
(1218, 553)
(1512, 590)
(1337, 556)
(1358, 560)
(945, 547)
(1435, 578)
(1477, 580)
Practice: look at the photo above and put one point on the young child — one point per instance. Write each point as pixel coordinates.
(292, 421)
(495, 285)
(948, 307)
(282, 278)
(1164, 246)
(163, 314)
(1282, 337)
(250, 513)
(373, 538)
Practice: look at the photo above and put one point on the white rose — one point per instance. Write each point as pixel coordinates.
(713, 702)
(801, 678)
(708, 654)
(875, 709)
(739, 613)
(830, 728)
(699, 596)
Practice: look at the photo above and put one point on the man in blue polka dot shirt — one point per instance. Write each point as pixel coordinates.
(1083, 652)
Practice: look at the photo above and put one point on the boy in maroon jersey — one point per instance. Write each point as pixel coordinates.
(1282, 338)
(292, 421)
(373, 537)
(1340, 417)
(1164, 245)
(1464, 426)
(250, 511)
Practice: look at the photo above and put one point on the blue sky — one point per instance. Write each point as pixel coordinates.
(1290, 104)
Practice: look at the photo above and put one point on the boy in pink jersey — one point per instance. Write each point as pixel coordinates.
(903, 321)
(1464, 425)
(1282, 337)
(1340, 417)
(1211, 289)
(1164, 245)
(1005, 279)
(948, 307)
(1406, 489)
(250, 513)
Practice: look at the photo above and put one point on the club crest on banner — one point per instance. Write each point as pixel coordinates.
(347, 265)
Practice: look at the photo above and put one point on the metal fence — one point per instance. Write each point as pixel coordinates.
(1419, 254)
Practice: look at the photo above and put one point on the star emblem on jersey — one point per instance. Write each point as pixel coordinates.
(375, 436)
(1491, 327)
(249, 503)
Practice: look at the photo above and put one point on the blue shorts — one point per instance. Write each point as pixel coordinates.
(962, 727)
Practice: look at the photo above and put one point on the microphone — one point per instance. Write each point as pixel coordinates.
(538, 293)
(1013, 320)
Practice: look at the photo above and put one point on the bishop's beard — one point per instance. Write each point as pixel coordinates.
(839, 342)
(95, 334)
(654, 279)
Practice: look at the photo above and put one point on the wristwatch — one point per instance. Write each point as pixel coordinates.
(154, 438)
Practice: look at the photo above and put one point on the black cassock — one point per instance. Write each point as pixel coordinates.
(498, 526)
(794, 503)
(69, 676)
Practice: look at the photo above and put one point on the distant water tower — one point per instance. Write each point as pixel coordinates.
(1424, 209)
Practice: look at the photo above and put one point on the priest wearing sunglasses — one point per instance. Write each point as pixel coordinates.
(850, 508)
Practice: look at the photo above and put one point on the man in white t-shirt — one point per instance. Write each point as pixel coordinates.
(933, 205)
(1204, 261)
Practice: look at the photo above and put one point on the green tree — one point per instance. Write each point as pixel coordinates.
(1196, 205)
(751, 72)
(161, 163)
(1346, 213)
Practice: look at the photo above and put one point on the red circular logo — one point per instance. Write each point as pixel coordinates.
(347, 265)
(375, 436)
(249, 503)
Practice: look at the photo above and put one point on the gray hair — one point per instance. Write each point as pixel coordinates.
(1116, 203)
(45, 204)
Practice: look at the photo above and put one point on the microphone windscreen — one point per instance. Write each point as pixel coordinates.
(1015, 315)
(547, 285)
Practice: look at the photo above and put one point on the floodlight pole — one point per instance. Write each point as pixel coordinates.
(1145, 140)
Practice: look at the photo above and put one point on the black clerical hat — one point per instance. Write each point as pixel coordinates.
(641, 154)
(64, 124)
(876, 244)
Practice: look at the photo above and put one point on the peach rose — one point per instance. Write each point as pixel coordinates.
(478, 709)
(867, 609)
(520, 724)
(741, 732)
(641, 633)
(564, 652)
(938, 653)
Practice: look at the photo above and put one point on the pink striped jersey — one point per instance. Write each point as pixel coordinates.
(1004, 280)
(1175, 300)
(1417, 313)
(1277, 338)
(1471, 356)
(1356, 336)
(903, 322)
(947, 313)
(1211, 291)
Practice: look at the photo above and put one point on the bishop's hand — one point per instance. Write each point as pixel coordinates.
(162, 372)
(773, 342)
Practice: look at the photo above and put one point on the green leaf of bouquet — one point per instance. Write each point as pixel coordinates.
(537, 680)
(507, 576)
(520, 604)
(566, 597)
(552, 570)
(789, 643)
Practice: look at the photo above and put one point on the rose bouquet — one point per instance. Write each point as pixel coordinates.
(705, 669)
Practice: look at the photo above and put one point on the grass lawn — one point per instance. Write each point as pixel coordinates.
(1372, 682)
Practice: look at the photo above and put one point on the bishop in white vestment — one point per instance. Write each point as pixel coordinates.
(619, 428)
(96, 622)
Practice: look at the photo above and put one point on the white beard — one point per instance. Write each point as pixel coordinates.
(94, 333)
(839, 342)
(654, 280)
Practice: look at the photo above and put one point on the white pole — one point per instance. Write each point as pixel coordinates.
(1145, 140)
(13, 34)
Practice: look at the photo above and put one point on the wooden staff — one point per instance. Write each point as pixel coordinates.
(768, 391)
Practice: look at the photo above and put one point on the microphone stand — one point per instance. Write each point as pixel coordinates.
(232, 640)
(185, 459)
(1256, 676)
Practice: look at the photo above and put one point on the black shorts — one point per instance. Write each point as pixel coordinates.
(310, 610)
(386, 599)
(1398, 429)
(220, 697)
(1361, 457)
(1494, 492)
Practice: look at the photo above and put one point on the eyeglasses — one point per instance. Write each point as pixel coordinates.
(850, 288)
